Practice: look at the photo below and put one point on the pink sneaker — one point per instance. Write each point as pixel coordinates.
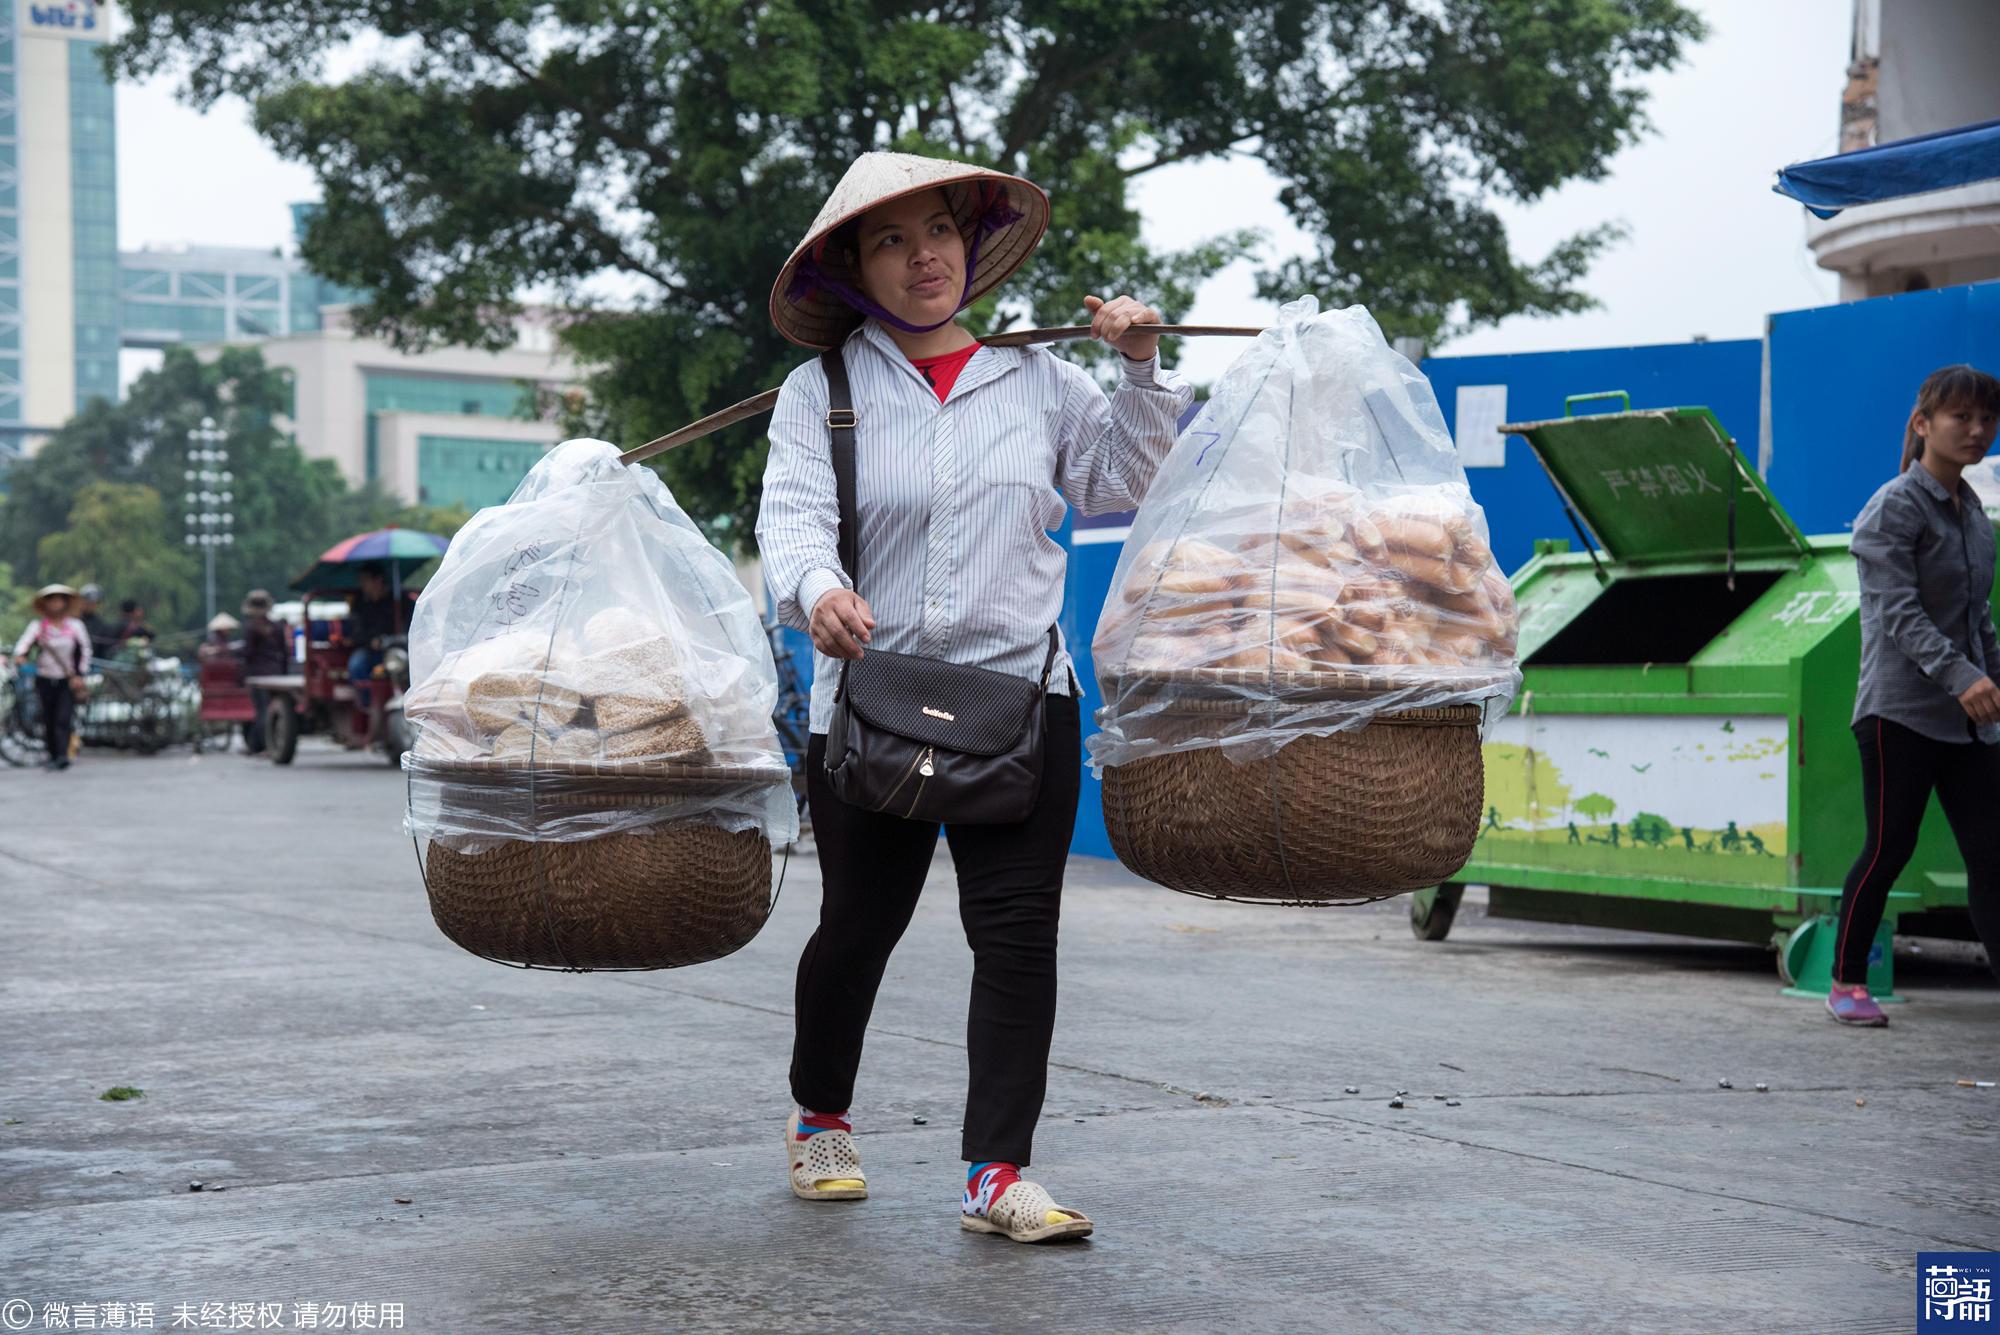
(1852, 1005)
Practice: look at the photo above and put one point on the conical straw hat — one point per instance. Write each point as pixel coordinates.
(816, 318)
(53, 590)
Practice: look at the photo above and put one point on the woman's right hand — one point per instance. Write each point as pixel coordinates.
(1981, 701)
(841, 624)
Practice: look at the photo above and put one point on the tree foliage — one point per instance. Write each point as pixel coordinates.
(1595, 806)
(16, 607)
(117, 536)
(102, 501)
(503, 146)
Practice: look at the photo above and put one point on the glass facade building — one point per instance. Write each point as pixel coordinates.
(11, 335)
(93, 188)
(445, 426)
(208, 294)
(59, 317)
(469, 471)
(451, 469)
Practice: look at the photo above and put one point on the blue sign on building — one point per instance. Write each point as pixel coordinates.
(75, 16)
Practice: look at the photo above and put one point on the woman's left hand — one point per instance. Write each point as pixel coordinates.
(1121, 322)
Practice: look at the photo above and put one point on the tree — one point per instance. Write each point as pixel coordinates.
(1649, 827)
(280, 499)
(288, 509)
(16, 608)
(1524, 784)
(681, 150)
(1595, 806)
(117, 530)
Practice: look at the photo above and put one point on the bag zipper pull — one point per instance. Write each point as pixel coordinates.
(924, 766)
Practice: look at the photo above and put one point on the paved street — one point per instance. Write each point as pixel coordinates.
(251, 947)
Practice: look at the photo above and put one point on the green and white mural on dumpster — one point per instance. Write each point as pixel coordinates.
(1694, 796)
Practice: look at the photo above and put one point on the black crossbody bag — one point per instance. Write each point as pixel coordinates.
(918, 737)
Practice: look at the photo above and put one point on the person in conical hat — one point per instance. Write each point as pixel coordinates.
(59, 647)
(216, 645)
(967, 457)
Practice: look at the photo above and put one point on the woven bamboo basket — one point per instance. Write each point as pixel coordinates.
(677, 892)
(1363, 814)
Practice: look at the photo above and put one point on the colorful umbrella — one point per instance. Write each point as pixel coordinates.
(399, 551)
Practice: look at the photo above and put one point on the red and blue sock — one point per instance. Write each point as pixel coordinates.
(984, 1182)
(812, 1123)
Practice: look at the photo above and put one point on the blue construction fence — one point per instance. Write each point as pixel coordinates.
(1818, 405)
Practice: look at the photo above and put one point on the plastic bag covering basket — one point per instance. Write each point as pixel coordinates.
(594, 778)
(1344, 817)
(656, 896)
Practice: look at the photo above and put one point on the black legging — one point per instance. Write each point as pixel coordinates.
(58, 712)
(1899, 769)
(1010, 881)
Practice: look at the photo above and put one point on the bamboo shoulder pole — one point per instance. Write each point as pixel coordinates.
(1019, 338)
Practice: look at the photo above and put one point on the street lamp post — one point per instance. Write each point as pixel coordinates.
(210, 493)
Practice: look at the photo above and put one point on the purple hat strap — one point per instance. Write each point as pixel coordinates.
(810, 279)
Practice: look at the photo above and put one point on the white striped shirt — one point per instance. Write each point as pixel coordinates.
(956, 499)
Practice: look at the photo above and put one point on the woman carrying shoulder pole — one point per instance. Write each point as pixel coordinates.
(59, 647)
(1927, 714)
(963, 457)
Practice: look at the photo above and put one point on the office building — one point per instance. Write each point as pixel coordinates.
(200, 294)
(1916, 67)
(450, 426)
(59, 331)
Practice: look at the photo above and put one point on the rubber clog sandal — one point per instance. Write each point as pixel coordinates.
(825, 1166)
(1026, 1213)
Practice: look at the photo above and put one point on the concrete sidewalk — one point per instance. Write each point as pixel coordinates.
(252, 948)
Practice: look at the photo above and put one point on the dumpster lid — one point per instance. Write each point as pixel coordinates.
(1662, 484)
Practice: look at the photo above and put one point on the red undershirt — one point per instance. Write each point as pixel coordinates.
(942, 372)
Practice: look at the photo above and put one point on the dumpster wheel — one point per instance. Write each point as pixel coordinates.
(1792, 953)
(1433, 911)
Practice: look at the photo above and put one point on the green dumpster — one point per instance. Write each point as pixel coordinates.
(1679, 757)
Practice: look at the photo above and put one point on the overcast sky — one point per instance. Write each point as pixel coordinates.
(1711, 250)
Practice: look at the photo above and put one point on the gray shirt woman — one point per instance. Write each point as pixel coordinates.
(1925, 555)
(1927, 714)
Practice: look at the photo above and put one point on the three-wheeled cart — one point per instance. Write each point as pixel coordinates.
(319, 697)
(226, 703)
(1679, 758)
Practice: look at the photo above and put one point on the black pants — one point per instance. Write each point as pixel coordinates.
(58, 714)
(1010, 881)
(253, 731)
(1899, 769)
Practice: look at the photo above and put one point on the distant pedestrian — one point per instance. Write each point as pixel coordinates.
(134, 626)
(59, 647)
(373, 617)
(103, 635)
(1927, 713)
(218, 643)
(266, 653)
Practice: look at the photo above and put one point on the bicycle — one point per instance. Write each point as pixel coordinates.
(142, 700)
(20, 720)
